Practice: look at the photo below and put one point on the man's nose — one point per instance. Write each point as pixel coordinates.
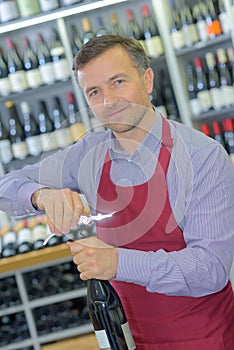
(109, 96)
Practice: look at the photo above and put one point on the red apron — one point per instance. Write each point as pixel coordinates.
(144, 221)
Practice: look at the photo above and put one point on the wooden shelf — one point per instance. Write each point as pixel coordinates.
(87, 342)
(34, 258)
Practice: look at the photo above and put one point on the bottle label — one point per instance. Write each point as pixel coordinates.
(34, 145)
(128, 336)
(57, 51)
(187, 35)
(178, 41)
(48, 141)
(193, 32)
(24, 235)
(5, 151)
(217, 98)
(33, 78)
(205, 100)
(19, 150)
(102, 339)
(48, 5)
(28, 7)
(63, 137)
(5, 87)
(61, 69)
(38, 233)
(18, 81)
(225, 22)
(8, 11)
(47, 73)
(195, 107)
(228, 95)
(9, 237)
(202, 31)
(154, 46)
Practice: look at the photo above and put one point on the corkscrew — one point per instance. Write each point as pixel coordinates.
(84, 220)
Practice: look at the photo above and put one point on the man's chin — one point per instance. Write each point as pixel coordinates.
(120, 127)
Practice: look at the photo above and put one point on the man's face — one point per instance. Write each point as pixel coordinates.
(115, 91)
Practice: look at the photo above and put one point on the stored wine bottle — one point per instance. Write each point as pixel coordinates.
(5, 86)
(225, 78)
(216, 93)
(9, 243)
(60, 63)
(203, 93)
(153, 42)
(76, 42)
(16, 132)
(31, 66)
(228, 135)
(5, 146)
(16, 71)
(48, 5)
(24, 237)
(77, 128)
(108, 317)
(213, 25)
(61, 125)
(224, 18)
(177, 35)
(205, 129)
(133, 29)
(31, 130)
(38, 233)
(116, 28)
(46, 128)
(87, 30)
(45, 62)
(217, 133)
(194, 102)
(199, 11)
(188, 27)
(28, 8)
(8, 11)
(101, 29)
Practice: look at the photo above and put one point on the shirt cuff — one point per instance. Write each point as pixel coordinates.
(134, 266)
(24, 198)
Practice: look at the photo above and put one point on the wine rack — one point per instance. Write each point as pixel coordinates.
(41, 302)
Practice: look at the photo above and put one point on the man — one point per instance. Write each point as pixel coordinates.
(168, 248)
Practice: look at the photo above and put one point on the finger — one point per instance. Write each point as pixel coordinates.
(74, 247)
(68, 210)
(78, 208)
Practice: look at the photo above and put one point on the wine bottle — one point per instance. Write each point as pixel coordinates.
(217, 133)
(213, 25)
(5, 146)
(188, 27)
(28, 8)
(108, 317)
(61, 125)
(168, 96)
(76, 42)
(101, 29)
(24, 237)
(194, 102)
(46, 128)
(31, 130)
(177, 35)
(157, 101)
(133, 29)
(205, 129)
(38, 232)
(225, 78)
(45, 62)
(9, 242)
(224, 18)
(48, 5)
(31, 66)
(87, 30)
(16, 132)
(5, 86)
(8, 11)
(216, 93)
(60, 63)
(153, 42)
(199, 12)
(203, 93)
(16, 71)
(228, 134)
(116, 28)
(77, 128)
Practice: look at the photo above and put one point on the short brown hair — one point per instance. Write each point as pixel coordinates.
(98, 45)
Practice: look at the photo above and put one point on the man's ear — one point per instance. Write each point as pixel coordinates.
(149, 79)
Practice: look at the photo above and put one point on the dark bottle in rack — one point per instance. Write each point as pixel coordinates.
(16, 132)
(76, 42)
(225, 78)
(116, 28)
(31, 130)
(77, 128)
(108, 317)
(213, 25)
(16, 71)
(216, 94)
(46, 128)
(203, 92)
(199, 11)
(101, 29)
(60, 63)
(5, 86)
(9, 243)
(177, 35)
(188, 27)
(5, 146)
(31, 66)
(61, 125)
(133, 29)
(217, 133)
(228, 134)
(87, 30)
(24, 238)
(38, 232)
(192, 91)
(45, 61)
(153, 42)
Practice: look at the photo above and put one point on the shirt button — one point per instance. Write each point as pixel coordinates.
(27, 211)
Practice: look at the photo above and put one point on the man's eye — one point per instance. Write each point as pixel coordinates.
(119, 81)
(93, 93)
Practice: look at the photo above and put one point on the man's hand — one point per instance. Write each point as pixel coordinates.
(63, 208)
(95, 259)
